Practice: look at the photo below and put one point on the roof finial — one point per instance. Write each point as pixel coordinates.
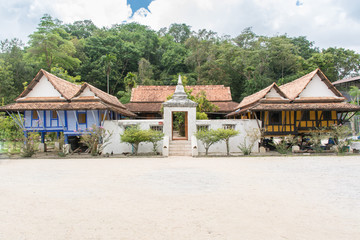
(179, 81)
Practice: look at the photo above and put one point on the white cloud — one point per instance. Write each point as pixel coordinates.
(327, 22)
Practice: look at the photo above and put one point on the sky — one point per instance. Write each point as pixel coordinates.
(329, 23)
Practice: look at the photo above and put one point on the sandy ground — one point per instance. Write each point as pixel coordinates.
(181, 198)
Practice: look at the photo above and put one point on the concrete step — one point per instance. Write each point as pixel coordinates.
(180, 148)
(179, 154)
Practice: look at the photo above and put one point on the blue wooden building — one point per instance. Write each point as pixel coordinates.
(52, 104)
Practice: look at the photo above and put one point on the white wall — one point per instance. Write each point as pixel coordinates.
(43, 89)
(317, 88)
(117, 127)
(241, 125)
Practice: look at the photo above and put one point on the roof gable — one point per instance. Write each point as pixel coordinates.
(316, 88)
(87, 90)
(160, 93)
(270, 92)
(64, 88)
(43, 88)
(295, 88)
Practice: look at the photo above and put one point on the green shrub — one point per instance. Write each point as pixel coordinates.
(134, 136)
(251, 137)
(285, 144)
(208, 138)
(30, 142)
(340, 133)
(95, 138)
(154, 138)
(225, 135)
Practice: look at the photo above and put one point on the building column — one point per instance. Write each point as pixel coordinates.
(42, 145)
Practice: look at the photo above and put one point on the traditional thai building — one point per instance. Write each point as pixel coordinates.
(300, 106)
(52, 104)
(146, 101)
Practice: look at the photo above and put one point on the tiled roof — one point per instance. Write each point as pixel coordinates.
(137, 107)
(259, 95)
(144, 107)
(100, 94)
(69, 91)
(339, 106)
(294, 88)
(346, 80)
(93, 105)
(160, 93)
(65, 88)
(291, 91)
(335, 106)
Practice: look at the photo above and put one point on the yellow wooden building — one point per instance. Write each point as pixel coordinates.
(305, 104)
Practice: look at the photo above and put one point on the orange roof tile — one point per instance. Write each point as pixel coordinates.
(294, 88)
(65, 88)
(259, 95)
(160, 93)
(100, 94)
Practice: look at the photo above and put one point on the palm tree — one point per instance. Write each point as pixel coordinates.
(108, 60)
(355, 92)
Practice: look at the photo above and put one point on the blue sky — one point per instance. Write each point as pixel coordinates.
(137, 4)
(327, 22)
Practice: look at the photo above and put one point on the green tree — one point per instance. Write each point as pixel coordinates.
(81, 29)
(108, 61)
(225, 135)
(154, 138)
(208, 138)
(134, 136)
(50, 45)
(62, 73)
(355, 93)
(145, 72)
(180, 32)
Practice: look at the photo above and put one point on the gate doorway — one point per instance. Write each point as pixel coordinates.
(179, 125)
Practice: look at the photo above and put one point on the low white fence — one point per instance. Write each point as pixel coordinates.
(117, 128)
(243, 126)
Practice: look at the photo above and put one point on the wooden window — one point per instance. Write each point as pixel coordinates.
(82, 118)
(306, 116)
(202, 127)
(35, 115)
(229, 126)
(326, 115)
(157, 128)
(54, 115)
(275, 118)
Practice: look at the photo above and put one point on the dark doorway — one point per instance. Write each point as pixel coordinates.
(179, 126)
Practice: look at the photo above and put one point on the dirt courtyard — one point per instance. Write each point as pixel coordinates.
(181, 198)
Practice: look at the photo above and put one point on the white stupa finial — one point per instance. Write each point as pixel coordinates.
(179, 81)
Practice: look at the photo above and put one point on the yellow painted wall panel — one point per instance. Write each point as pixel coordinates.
(333, 115)
(312, 115)
(288, 128)
(309, 123)
(276, 128)
(292, 117)
(287, 117)
(303, 124)
(298, 115)
(320, 117)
